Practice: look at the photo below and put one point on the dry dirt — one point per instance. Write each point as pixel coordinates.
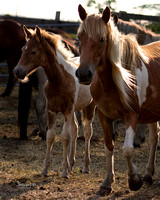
(21, 163)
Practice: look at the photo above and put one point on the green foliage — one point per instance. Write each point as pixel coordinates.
(154, 27)
(91, 2)
(99, 6)
(150, 7)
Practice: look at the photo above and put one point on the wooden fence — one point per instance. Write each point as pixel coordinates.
(67, 26)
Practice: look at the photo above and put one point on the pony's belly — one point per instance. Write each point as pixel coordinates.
(150, 116)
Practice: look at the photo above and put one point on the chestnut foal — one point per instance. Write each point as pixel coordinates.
(63, 93)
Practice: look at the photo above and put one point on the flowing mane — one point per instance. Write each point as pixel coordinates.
(56, 41)
(123, 52)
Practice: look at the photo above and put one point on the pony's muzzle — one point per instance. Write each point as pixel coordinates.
(84, 76)
(19, 73)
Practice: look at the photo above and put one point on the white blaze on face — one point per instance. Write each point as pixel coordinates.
(25, 47)
(142, 83)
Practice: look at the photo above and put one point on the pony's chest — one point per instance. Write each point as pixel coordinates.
(106, 102)
(84, 97)
(60, 98)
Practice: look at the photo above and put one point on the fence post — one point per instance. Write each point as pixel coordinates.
(57, 19)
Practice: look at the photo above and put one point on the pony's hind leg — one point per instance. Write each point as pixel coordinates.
(69, 136)
(153, 135)
(87, 118)
(50, 138)
(41, 103)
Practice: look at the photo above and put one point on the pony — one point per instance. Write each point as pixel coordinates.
(62, 91)
(12, 39)
(124, 82)
(143, 37)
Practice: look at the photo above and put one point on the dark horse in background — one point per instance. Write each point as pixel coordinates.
(12, 39)
(11, 42)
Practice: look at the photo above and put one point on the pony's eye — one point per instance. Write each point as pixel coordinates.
(102, 40)
(33, 52)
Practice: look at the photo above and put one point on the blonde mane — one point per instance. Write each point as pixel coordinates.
(123, 52)
(55, 40)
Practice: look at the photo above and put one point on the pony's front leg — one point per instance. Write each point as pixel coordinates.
(87, 118)
(50, 138)
(106, 123)
(69, 136)
(134, 179)
(153, 135)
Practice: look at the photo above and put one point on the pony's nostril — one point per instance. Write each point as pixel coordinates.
(77, 74)
(16, 73)
(90, 74)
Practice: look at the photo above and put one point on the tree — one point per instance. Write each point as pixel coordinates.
(100, 6)
(150, 7)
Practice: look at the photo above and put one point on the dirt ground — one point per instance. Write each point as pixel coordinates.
(21, 163)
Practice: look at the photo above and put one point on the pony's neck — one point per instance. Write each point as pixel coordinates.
(52, 68)
(104, 73)
(67, 63)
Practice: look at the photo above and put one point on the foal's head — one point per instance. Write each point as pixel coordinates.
(92, 36)
(35, 52)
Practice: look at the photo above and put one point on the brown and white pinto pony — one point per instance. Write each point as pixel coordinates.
(63, 93)
(143, 35)
(125, 82)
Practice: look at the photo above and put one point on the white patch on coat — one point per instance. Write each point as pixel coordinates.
(128, 143)
(71, 66)
(25, 47)
(142, 83)
(68, 65)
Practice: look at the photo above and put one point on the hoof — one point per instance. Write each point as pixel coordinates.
(5, 94)
(86, 170)
(136, 183)
(147, 178)
(44, 172)
(136, 145)
(71, 164)
(104, 191)
(64, 175)
(23, 138)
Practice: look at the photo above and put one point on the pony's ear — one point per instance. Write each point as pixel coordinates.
(38, 32)
(82, 12)
(28, 34)
(115, 19)
(106, 15)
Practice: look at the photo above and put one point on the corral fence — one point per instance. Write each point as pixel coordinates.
(67, 26)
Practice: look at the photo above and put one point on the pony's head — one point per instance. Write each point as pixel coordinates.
(92, 36)
(32, 56)
(39, 50)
